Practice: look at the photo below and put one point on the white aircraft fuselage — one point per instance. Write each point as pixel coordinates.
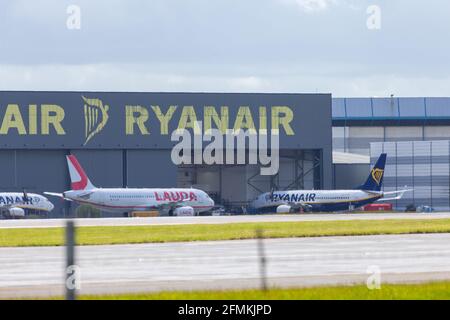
(13, 203)
(329, 200)
(142, 199)
(316, 200)
(170, 201)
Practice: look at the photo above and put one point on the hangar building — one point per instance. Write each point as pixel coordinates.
(414, 132)
(359, 121)
(125, 140)
(423, 166)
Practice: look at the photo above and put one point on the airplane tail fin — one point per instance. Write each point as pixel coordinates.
(375, 178)
(78, 178)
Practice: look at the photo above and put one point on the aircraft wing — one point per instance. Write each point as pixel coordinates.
(298, 205)
(165, 207)
(10, 205)
(86, 195)
(171, 205)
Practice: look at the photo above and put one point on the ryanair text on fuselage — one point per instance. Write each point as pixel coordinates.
(293, 197)
(5, 200)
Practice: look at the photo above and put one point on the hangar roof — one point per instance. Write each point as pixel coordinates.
(396, 110)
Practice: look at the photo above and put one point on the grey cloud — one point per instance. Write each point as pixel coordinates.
(262, 44)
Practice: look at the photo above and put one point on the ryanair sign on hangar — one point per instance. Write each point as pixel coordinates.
(146, 120)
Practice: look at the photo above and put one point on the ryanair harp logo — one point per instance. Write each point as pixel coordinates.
(95, 117)
(377, 174)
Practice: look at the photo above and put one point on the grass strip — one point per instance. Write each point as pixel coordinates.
(423, 291)
(208, 232)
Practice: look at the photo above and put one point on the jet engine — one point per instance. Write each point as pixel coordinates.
(16, 212)
(184, 211)
(284, 208)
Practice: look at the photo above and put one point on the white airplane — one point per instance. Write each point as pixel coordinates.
(169, 201)
(12, 204)
(328, 200)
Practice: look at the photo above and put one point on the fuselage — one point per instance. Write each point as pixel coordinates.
(32, 201)
(315, 200)
(141, 199)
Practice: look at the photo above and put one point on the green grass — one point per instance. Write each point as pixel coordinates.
(232, 231)
(428, 291)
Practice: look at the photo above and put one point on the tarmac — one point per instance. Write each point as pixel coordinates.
(53, 223)
(291, 262)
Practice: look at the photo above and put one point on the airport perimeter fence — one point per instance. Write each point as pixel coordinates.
(72, 270)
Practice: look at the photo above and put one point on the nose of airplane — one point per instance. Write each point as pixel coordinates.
(211, 202)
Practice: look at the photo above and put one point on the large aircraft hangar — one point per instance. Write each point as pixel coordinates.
(415, 134)
(127, 140)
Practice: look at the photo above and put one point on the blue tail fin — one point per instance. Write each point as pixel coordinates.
(375, 178)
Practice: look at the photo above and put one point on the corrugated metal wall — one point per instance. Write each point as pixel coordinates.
(350, 176)
(357, 139)
(32, 170)
(150, 168)
(421, 165)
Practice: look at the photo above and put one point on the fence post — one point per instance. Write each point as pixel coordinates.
(262, 259)
(70, 272)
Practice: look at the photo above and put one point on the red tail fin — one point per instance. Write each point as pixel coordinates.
(79, 179)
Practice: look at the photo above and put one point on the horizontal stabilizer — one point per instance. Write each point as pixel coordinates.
(59, 195)
(399, 194)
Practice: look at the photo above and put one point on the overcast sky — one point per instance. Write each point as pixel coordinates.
(227, 46)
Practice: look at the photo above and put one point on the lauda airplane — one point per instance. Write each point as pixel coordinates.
(172, 201)
(328, 200)
(12, 204)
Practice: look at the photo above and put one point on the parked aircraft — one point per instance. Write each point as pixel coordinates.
(13, 204)
(328, 200)
(168, 201)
